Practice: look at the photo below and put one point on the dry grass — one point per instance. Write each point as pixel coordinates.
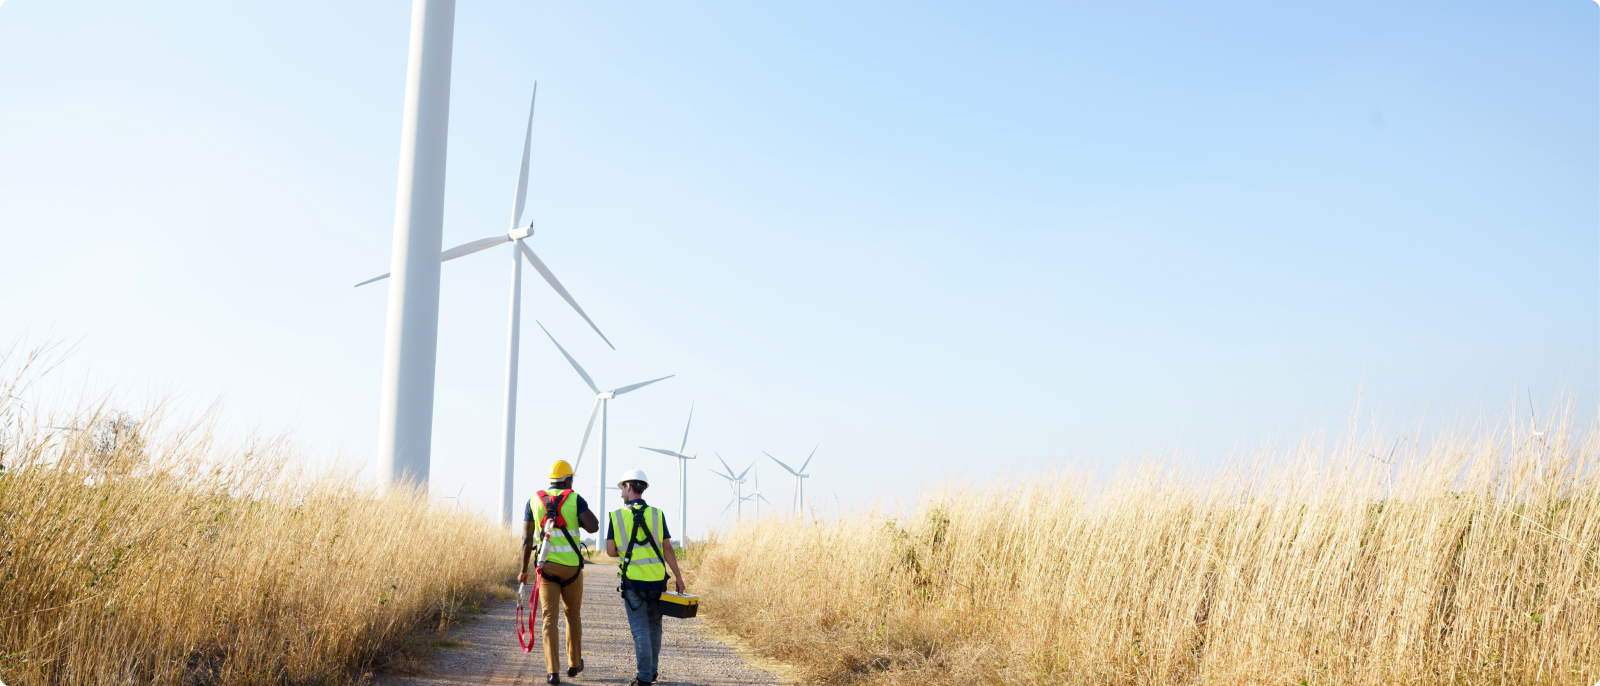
(127, 558)
(1475, 561)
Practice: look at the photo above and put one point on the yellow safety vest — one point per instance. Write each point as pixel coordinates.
(560, 545)
(643, 562)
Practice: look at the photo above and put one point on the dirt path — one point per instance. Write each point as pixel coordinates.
(488, 652)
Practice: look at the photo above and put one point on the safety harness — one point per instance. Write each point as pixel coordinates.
(552, 512)
(633, 539)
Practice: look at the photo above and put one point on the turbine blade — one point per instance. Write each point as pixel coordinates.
(730, 506)
(780, 463)
(522, 172)
(746, 470)
(549, 278)
(660, 450)
(475, 246)
(637, 386)
(724, 464)
(725, 476)
(379, 277)
(808, 458)
(685, 442)
(586, 430)
(764, 499)
(575, 365)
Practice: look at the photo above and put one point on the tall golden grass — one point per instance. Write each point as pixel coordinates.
(131, 557)
(1473, 561)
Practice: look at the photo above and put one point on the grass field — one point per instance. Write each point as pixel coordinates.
(1473, 561)
(131, 557)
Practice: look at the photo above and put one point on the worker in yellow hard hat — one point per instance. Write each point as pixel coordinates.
(561, 578)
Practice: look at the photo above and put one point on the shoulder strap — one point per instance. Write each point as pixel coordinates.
(567, 531)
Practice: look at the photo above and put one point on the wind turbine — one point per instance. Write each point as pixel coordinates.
(799, 477)
(683, 475)
(411, 333)
(519, 250)
(602, 404)
(756, 497)
(736, 483)
(457, 497)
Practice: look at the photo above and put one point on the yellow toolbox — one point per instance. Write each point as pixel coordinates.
(680, 605)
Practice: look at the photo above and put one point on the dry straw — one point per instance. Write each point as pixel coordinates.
(129, 555)
(1475, 561)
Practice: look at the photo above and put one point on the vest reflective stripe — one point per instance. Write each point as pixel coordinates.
(561, 552)
(643, 565)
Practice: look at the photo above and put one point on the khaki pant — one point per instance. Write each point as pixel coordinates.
(551, 596)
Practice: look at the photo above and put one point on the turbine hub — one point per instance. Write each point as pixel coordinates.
(519, 234)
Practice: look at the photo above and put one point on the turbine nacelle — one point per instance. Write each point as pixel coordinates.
(519, 234)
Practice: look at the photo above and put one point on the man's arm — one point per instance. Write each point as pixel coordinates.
(672, 561)
(587, 520)
(527, 549)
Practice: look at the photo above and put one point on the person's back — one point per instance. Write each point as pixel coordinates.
(638, 535)
(566, 515)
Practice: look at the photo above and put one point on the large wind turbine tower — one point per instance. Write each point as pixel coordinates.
(411, 336)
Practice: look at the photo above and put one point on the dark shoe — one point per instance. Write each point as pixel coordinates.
(552, 679)
(640, 682)
(573, 671)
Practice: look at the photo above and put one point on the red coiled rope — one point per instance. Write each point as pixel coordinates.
(527, 636)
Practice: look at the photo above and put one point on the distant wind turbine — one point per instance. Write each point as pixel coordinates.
(799, 477)
(683, 475)
(457, 497)
(755, 496)
(737, 484)
(519, 250)
(602, 404)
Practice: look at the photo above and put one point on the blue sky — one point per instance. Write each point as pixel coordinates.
(941, 240)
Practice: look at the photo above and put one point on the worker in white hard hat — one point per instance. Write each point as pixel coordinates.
(638, 534)
(561, 577)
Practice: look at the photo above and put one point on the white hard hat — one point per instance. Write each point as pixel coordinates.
(635, 475)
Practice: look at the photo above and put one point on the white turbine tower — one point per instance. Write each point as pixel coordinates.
(683, 476)
(737, 484)
(411, 332)
(799, 477)
(602, 404)
(519, 251)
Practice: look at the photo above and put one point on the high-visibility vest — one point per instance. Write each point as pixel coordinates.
(644, 564)
(560, 546)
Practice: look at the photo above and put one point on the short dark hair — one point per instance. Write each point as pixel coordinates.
(636, 485)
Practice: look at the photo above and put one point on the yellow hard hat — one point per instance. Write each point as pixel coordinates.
(560, 470)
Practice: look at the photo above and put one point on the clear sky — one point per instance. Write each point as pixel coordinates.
(938, 239)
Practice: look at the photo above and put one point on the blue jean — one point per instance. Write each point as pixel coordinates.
(644, 622)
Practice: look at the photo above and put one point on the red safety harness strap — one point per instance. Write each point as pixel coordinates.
(526, 636)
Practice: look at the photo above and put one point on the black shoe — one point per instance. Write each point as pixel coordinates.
(552, 679)
(573, 671)
(640, 682)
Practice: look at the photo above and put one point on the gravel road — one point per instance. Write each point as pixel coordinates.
(691, 655)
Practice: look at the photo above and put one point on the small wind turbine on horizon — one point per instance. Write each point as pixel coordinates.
(737, 484)
(456, 498)
(756, 497)
(602, 404)
(799, 477)
(683, 475)
(519, 251)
